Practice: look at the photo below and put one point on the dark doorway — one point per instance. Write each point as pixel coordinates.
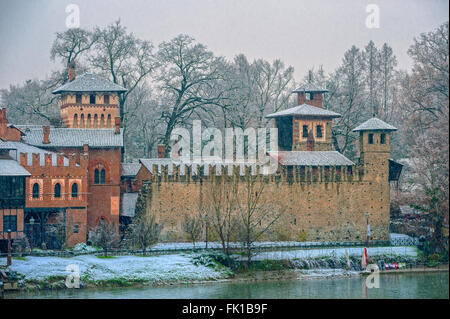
(284, 125)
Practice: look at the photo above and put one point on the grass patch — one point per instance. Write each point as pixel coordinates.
(106, 257)
(20, 258)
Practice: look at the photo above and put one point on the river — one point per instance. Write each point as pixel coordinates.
(400, 285)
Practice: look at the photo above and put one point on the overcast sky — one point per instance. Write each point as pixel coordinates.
(301, 33)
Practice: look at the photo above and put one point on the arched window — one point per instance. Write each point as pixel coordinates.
(35, 190)
(96, 176)
(57, 190)
(103, 176)
(74, 190)
(95, 120)
(88, 123)
(102, 121)
(75, 120)
(108, 123)
(82, 121)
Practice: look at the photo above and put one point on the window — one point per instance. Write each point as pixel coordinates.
(75, 120)
(106, 99)
(82, 121)
(10, 223)
(305, 131)
(78, 98)
(102, 120)
(102, 176)
(97, 176)
(95, 120)
(88, 123)
(35, 190)
(75, 229)
(57, 190)
(311, 96)
(92, 99)
(108, 123)
(74, 190)
(319, 131)
(383, 138)
(371, 138)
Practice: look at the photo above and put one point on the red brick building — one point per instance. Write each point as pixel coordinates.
(71, 175)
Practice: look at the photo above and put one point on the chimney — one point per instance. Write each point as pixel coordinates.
(117, 125)
(71, 67)
(46, 134)
(3, 123)
(161, 150)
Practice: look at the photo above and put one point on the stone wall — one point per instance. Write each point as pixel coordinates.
(320, 204)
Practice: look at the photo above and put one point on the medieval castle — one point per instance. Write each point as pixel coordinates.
(72, 176)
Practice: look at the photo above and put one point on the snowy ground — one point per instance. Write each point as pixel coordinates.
(336, 252)
(169, 268)
(166, 268)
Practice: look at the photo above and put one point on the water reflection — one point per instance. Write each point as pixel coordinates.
(412, 285)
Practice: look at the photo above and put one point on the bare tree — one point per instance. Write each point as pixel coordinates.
(143, 232)
(32, 103)
(105, 236)
(371, 74)
(126, 59)
(70, 45)
(256, 214)
(186, 78)
(193, 227)
(426, 107)
(221, 205)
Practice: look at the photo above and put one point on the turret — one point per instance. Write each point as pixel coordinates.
(306, 127)
(375, 147)
(89, 101)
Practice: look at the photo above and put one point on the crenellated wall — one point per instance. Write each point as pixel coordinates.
(320, 201)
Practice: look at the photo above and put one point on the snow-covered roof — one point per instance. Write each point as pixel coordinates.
(313, 158)
(90, 82)
(374, 124)
(130, 169)
(73, 137)
(309, 87)
(305, 110)
(10, 167)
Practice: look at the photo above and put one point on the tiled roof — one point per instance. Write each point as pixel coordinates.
(73, 137)
(375, 124)
(305, 110)
(309, 87)
(313, 158)
(129, 204)
(19, 147)
(90, 82)
(9, 167)
(130, 169)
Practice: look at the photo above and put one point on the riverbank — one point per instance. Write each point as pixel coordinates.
(40, 273)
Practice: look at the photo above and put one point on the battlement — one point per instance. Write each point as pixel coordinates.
(291, 174)
(52, 160)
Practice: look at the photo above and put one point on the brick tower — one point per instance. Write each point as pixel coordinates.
(306, 127)
(89, 101)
